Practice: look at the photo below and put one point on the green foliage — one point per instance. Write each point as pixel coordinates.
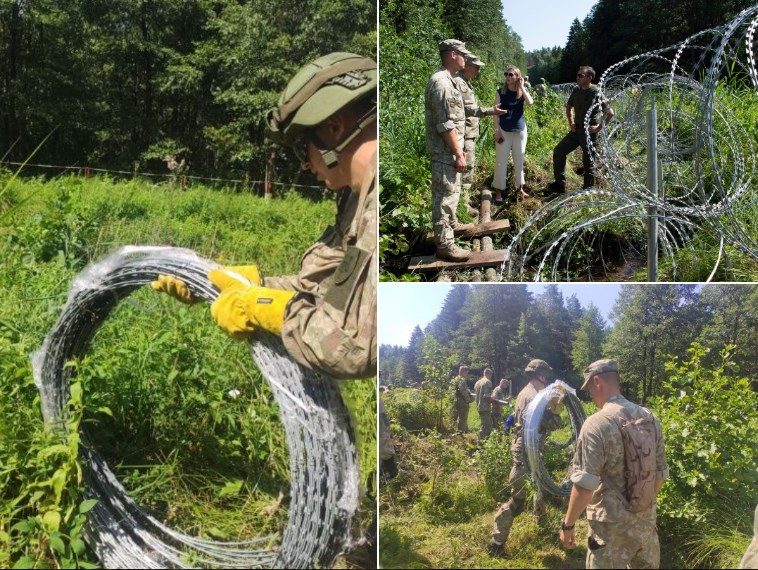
(127, 82)
(187, 424)
(495, 461)
(710, 429)
(415, 409)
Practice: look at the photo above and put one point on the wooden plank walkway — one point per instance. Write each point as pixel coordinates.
(469, 231)
(477, 259)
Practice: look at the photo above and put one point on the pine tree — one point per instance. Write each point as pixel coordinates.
(588, 339)
(412, 357)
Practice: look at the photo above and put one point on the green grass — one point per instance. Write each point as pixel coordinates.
(438, 512)
(157, 376)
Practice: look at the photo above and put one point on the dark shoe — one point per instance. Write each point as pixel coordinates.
(556, 187)
(494, 549)
(453, 253)
(579, 170)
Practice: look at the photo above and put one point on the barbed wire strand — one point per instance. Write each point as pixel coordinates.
(708, 160)
(323, 465)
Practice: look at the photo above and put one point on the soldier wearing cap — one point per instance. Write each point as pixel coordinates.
(326, 314)
(622, 532)
(483, 395)
(537, 372)
(461, 400)
(499, 393)
(473, 113)
(445, 128)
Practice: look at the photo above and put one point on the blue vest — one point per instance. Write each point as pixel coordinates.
(514, 120)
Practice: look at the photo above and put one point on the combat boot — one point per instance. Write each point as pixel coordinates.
(452, 253)
(494, 548)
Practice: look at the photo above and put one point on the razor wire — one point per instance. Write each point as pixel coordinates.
(561, 392)
(708, 160)
(323, 465)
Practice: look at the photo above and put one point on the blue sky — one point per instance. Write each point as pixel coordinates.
(405, 305)
(544, 23)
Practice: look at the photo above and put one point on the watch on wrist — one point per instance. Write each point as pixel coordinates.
(565, 526)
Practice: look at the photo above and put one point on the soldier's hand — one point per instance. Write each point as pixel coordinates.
(460, 162)
(568, 538)
(593, 129)
(500, 111)
(572, 126)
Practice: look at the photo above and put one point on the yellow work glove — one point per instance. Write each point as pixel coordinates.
(179, 290)
(242, 308)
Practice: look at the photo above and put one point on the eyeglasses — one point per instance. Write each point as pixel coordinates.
(300, 148)
(511, 74)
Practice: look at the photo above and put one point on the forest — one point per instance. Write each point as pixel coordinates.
(686, 352)
(122, 84)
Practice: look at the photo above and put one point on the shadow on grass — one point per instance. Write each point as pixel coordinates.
(396, 551)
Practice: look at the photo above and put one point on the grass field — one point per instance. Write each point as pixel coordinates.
(159, 380)
(438, 512)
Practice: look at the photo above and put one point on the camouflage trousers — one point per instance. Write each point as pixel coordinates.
(507, 511)
(467, 178)
(486, 430)
(623, 545)
(497, 422)
(459, 416)
(446, 191)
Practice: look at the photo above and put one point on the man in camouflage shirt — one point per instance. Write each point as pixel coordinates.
(326, 314)
(461, 400)
(580, 102)
(473, 113)
(499, 393)
(618, 537)
(537, 372)
(483, 395)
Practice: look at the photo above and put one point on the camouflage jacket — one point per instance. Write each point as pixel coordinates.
(498, 394)
(444, 110)
(459, 390)
(599, 463)
(330, 323)
(472, 108)
(386, 447)
(483, 389)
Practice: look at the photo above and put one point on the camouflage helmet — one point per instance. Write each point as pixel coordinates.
(538, 367)
(317, 91)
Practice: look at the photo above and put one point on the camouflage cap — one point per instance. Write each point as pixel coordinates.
(474, 60)
(599, 367)
(317, 91)
(538, 366)
(452, 44)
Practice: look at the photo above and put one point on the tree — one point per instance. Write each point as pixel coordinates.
(588, 339)
(412, 357)
(574, 53)
(448, 320)
(435, 366)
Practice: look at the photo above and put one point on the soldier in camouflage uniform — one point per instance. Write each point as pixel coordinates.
(621, 535)
(473, 113)
(538, 372)
(499, 393)
(326, 314)
(445, 125)
(461, 400)
(483, 391)
(387, 456)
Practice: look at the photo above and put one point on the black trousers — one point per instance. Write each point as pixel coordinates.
(568, 144)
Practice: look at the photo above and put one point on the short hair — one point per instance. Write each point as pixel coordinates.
(610, 375)
(463, 368)
(588, 70)
(487, 370)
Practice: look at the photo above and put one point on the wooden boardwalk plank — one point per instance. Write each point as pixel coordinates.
(469, 231)
(477, 259)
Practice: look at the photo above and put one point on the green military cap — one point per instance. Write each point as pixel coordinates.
(452, 44)
(599, 367)
(538, 365)
(317, 91)
(474, 60)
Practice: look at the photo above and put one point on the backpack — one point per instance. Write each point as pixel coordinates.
(639, 438)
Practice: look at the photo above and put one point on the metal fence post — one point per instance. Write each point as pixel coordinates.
(652, 184)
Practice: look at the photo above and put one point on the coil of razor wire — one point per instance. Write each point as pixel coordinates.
(323, 465)
(534, 439)
(708, 159)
